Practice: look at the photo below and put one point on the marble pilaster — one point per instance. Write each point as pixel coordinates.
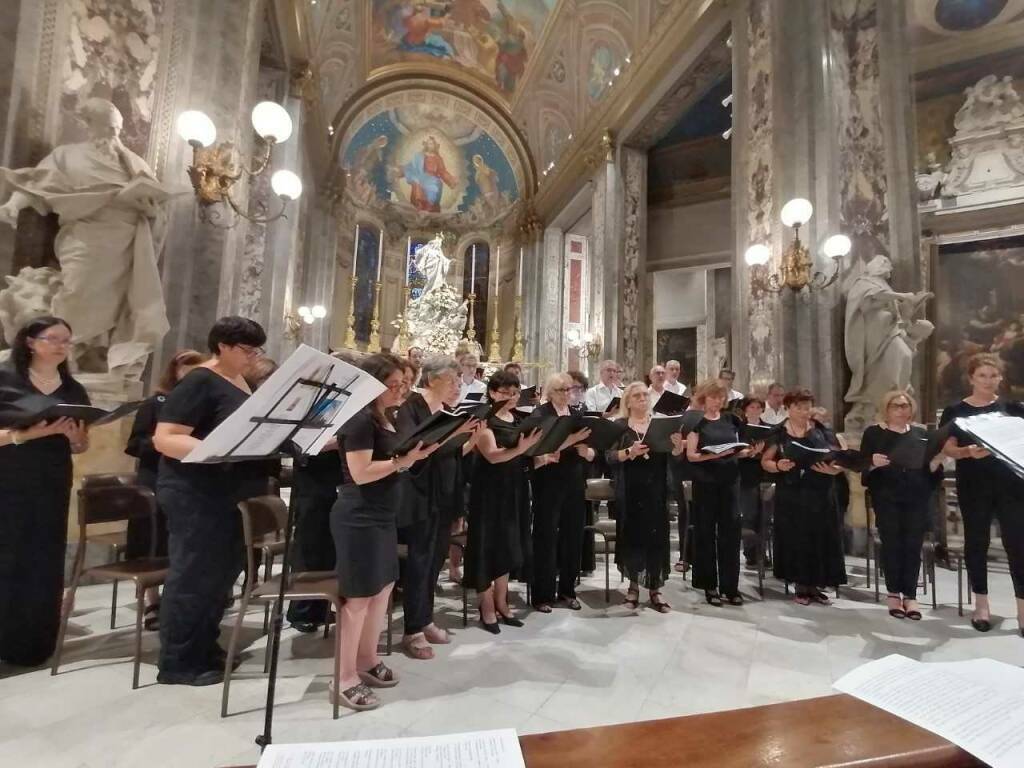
(605, 255)
(533, 265)
(636, 349)
(547, 309)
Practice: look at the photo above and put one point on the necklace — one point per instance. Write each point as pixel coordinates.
(641, 435)
(38, 377)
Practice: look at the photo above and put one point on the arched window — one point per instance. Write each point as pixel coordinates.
(481, 286)
(367, 255)
(415, 277)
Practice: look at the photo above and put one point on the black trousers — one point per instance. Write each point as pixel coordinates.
(676, 476)
(427, 540)
(33, 538)
(558, 515)
(716, 533)
(205, 551)
(980, 502)
(902, 522)
(313, 551)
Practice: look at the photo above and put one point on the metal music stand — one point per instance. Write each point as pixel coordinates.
(314, 418)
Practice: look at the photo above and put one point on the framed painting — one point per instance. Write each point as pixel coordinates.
(978, 307)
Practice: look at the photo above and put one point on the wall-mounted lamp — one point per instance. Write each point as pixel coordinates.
(588, 344)
(214, 171)
(305, 316)
(795, 269)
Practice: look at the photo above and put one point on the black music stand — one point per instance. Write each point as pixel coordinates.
(316, 416)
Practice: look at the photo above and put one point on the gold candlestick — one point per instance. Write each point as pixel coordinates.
(350, 328)
(403, 328)
(517, 339)
(470, 334)
(374, 345)
(495, 352)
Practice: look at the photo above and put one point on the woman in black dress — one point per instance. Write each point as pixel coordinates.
(140, 445)
(499, 501)
(641, 544)
(431, 500)
(363, 523)
(900, 497)
(559, 506)
(808, 531)
(200, 500)
(986, 488)
(35, 491)
(751, 475)
(716, 487)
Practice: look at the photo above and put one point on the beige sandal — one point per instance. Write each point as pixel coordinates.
(358, 697)
(379, 676)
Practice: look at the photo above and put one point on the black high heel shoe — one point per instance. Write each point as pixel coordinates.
(510, 621)
(713, 598)
(982, 625)
(494, 629)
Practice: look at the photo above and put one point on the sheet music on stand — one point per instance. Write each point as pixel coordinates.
(494, 749)
(310, 388)
(999, 433)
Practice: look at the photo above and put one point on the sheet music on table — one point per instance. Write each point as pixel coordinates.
(976, 704)
(494, 749)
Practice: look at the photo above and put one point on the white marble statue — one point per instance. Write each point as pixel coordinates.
(112, 225)
(436, 318)
(881, 338)
(990, 102)
(28, 295)
(929, 182)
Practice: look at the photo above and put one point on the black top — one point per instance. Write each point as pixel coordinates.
(140, 442)
(989, 469)
(724, 429)
(892, 479)
(817, 436)
(433, 484)
(363, 433)
(13, 386)
(203, 400)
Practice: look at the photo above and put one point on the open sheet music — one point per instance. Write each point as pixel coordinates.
(308, 383)
(1001, 434)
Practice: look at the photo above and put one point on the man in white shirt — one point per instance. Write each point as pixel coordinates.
(673, 370)
(726, 378)
(774, 411)
(468, 382)
(657, 377)
(599, 396)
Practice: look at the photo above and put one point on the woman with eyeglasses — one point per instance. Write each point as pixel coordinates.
(559, 491)
(200, 500)
(499, 501)
(642, 550)
(431, 499)
(35, 491)
(140, 445)
(808, 529)
(986, 488)
(900, 498)
(363, 524)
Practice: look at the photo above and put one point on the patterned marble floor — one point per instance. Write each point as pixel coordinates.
(563, 670)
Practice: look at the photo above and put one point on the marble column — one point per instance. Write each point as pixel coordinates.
(827, 118)
(320, 260)
(548, 337)
(606, 251)
(635, 344)
(533, 265)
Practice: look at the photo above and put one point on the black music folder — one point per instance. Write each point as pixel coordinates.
(758, 433)
(436, 429)
(909, 451)
(29, 410)
(659, 433)
(604, 433)
(671, 404)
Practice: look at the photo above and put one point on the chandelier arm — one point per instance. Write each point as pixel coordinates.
(208, 214)
(259, 165)
(255, 219)
(773, 283)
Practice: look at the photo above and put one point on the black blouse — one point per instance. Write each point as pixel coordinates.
(140, 442)
(14, 386)
(892, 480)
(363, 433)
(724, 429)
(434, 483)
(987, 470)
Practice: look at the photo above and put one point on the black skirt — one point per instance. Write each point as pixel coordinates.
(808, 533)
(642, 550)
(499, 503)
(366, 544)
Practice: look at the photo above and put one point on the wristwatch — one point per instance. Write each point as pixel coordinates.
(398, 469)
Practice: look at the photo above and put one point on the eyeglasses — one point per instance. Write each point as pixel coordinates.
(55, 341)
(899, 405)
(563, 390)
(252, 351)
(396, 387)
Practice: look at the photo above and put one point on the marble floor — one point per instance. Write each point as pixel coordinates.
(567, 669)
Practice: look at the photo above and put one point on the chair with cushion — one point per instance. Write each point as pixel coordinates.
(261, 516)
(102, 503)
(602, 490)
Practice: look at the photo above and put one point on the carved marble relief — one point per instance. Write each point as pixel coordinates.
(113, 49)
(863, 179)
(634, 181)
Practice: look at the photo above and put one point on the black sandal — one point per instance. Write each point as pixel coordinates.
(572, 603)
(632, 600)
(736, 599)
(542, 608)
(659, 605)
(821, 598)
(379, 676)
(151, 617)
(713, 598)
(896, 613)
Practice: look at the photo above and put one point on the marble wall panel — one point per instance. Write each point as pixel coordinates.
(633, 296)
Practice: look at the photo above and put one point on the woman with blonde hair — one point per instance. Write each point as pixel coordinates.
(642, 546)
(559, 505)
(986, 488)
(900, 497)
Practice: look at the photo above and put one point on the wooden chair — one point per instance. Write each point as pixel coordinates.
(110, 503)
(601, 489)
(116, 540)
(260, 516)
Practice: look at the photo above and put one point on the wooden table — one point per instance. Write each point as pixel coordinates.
(828, 732)
(835, 731)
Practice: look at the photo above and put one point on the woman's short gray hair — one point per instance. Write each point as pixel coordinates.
(437, 366)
